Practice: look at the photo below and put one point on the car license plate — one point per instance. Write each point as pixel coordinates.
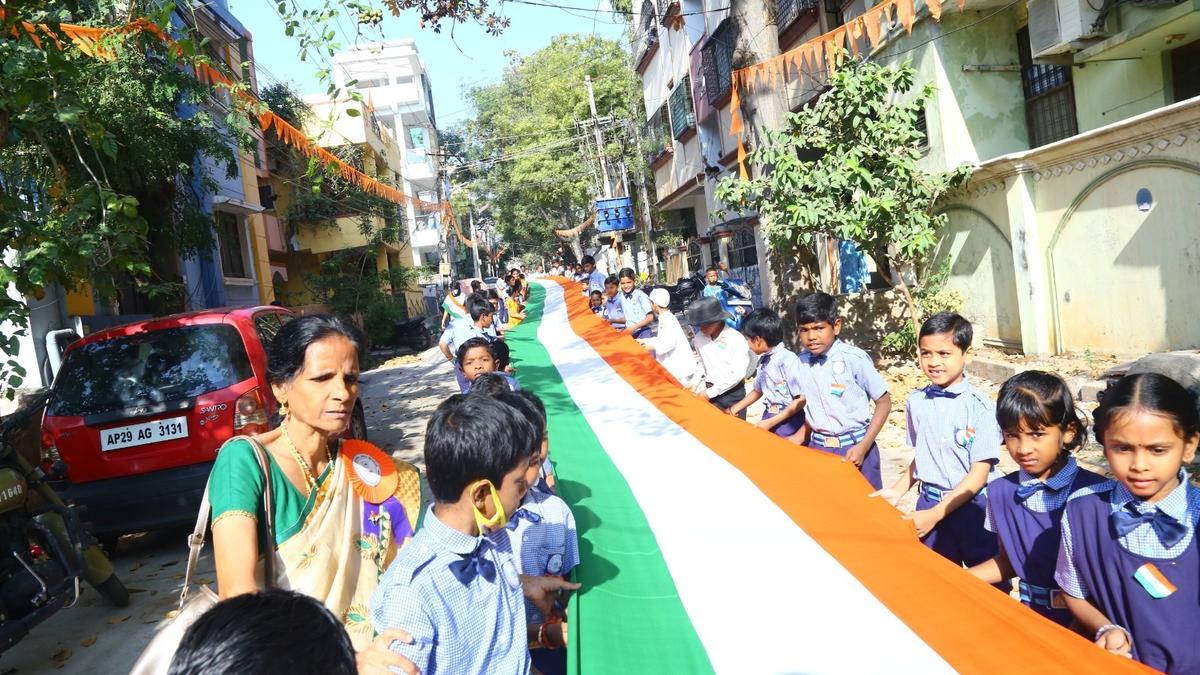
(142, 434)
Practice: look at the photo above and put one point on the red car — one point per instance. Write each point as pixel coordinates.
(137, 413)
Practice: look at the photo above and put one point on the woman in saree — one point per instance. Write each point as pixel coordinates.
(341, 508)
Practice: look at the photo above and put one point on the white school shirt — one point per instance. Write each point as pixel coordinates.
(726, 360)
(672, 349)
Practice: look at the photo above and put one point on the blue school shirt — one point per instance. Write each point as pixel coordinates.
(634, 306)
(614, 310)
(839, 386)
(462, 329)
(544, 540)
(1182, 504)
(457, 627)
(595, 282)
(951, 429)
(778, 377)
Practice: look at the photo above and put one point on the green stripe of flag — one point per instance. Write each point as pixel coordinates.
(627, 618)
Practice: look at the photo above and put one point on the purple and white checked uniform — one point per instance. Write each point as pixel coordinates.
(1096, 564)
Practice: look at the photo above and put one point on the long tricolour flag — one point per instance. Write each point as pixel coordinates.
(710, 546)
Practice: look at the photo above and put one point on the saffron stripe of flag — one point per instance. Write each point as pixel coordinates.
(775, 555)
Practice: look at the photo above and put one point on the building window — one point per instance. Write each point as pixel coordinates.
(1049, 97)
(647, 34)
(683, 117)
(742, 251)
(658, 134)
(717, 62)
(787, 11)
(833, 12)
(695, 256)
(231, 245)
(922, 126)
(1185, 71)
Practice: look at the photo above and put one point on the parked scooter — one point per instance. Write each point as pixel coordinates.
(413, 333)
(689, 289)
(44, 550)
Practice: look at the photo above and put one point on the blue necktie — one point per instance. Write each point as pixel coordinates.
(1026, 491)
(1169, 530)
(816, 360)
(472, 565)
(766, 358)
(522, 513)
(629, 296)
(934, 392)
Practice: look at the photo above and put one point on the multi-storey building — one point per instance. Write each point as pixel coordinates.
(370, 148)
(1081, 118)
(392, 78)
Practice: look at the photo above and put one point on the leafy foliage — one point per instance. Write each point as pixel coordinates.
(848, 167)
(98, 163)
(931, 297)
(521, 154)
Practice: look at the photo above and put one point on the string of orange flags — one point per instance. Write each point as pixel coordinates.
(824, 52)
(90, 41)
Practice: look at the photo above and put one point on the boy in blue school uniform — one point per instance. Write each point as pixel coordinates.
(777, 380)
(612, 312)
(952, 427)
(455, 587)
(839, 381)
(478, 324)
(636, 309)
(545, 543)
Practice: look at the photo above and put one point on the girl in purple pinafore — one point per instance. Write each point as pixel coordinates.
(1129, 562)
(1041, 428)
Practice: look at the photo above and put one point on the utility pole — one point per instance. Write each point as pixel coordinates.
(640, 179)
(474, 242)
(587, 80)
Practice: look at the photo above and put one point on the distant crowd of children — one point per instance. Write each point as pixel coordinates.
(1113, 558)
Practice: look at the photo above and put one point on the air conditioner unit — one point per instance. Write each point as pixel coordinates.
(1055, 24)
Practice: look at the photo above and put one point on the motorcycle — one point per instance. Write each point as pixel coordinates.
(413, 333)
(44, 549)
(689, 289)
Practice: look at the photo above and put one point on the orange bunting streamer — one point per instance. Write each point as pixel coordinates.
(827, 48)
(89, 41)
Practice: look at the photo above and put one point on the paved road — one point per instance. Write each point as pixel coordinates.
(94, 637)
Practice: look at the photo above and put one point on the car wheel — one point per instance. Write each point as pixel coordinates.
(358, 424)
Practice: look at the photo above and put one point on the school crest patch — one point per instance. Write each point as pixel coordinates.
(965, 437)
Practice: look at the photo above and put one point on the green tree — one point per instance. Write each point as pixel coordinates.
(848, 167)
(521, 151)
(99, 163)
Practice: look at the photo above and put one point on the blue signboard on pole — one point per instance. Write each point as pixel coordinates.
(614, 215)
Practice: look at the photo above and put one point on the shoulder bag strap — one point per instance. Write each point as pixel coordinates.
(200, 531)
(264, 464)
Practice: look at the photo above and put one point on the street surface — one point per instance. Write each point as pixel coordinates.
(399, 397)
(95, 637)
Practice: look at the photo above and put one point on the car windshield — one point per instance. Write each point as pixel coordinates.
(152, 367)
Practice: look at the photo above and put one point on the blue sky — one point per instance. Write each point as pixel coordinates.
(470, 57)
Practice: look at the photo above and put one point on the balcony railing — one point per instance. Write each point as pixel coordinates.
(657, 135)
(647, 36)
(683, 115)
(717, 62)
(788, 11)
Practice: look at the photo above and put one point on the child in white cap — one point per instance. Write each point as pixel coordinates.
(671, 346)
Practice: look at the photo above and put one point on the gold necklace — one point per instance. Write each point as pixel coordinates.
(310, 479)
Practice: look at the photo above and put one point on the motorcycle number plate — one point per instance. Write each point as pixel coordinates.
(132, 435)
